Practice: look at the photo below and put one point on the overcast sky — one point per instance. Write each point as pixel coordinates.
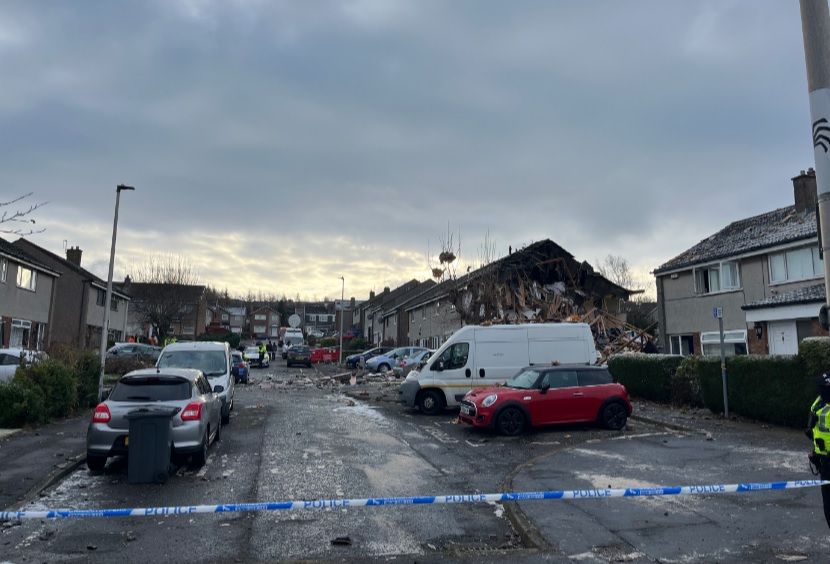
(281, 145)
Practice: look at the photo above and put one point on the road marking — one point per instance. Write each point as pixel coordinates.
(644, 435)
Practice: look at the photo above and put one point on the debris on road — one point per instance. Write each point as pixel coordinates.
(342, 541)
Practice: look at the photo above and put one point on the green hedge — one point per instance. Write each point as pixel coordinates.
(647, 376)
(775, 389)
(58, 387)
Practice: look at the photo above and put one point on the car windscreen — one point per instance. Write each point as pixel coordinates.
(299, 349)
(524, 380)
(211, 363)
(151, 389)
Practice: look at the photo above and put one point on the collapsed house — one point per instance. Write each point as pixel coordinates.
(539, 283)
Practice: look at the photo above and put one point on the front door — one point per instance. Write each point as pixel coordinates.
(782, 337)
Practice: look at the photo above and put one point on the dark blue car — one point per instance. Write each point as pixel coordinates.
(239, 368)
(354, 360)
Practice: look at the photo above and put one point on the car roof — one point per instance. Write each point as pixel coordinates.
(197, 346)
(189, 373)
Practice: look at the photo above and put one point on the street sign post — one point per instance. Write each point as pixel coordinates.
(717, 313)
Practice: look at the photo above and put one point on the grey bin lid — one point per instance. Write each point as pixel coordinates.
(148, 412)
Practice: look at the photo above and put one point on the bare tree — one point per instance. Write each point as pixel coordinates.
(615, 268)
(13, 218)
(166, 291)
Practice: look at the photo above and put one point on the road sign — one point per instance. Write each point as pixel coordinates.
(717, 312)
(294, 320)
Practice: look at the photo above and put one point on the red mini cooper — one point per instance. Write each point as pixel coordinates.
(548, 395)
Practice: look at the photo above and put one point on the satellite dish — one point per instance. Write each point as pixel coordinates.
(294, 320)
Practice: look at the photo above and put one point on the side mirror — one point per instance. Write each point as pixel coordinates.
(218, 389)
(439, 366)
(545, 387)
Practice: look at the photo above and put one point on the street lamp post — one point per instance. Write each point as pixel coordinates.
(342, 311)
(108, 301)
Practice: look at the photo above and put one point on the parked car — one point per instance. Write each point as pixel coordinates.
(385, 362)
(409, 363)
(539, 396)
(476, 356)
(251, 356)
(239, 368)
(212, 358)
(354, 360)
(196, 424)
(10, 360)
(291, 337)
(132, 350)
(299, 354)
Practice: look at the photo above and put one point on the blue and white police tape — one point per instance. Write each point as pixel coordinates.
(422, 500)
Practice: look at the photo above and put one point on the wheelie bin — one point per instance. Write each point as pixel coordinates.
(151, 441)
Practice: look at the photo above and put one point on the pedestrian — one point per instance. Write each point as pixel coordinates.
(262, 352)
(818, 430)
(270, 348)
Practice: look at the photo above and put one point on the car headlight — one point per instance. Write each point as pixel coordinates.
(489, 400)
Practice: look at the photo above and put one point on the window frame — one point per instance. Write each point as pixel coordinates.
(4, 269)
(717, 267)
(818, 265)
(32, 287)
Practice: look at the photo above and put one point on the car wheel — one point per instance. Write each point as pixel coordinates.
(431, 402)
(614, 416)
(309, 365)
(511, 422)
(200, 457)
(383, 368)
(95, 462)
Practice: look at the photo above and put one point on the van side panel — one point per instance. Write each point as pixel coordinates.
(499, 360)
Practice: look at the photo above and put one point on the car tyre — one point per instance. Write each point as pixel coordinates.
(511, 421)
(613, 416)
(96, 463)
(200, 458)
(431, 402)
(383, 368)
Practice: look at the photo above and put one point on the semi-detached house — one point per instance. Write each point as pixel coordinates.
(765, 273)
(27, 294)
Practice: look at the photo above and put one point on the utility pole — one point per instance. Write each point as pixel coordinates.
(342, 311)
(815, 26)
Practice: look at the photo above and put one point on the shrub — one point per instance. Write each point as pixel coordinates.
(328, 342)
(56, 383)
(647, 376)
(87, 369)
(121, 365)
(685, 384)
(355, 345)
(20, 404)
(312, 340)
(775, 389)
(233, 339)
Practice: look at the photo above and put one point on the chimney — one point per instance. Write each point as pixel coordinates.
(386, 290)
(351, 303)
(371, 294)
(73, 254)
(805, 191)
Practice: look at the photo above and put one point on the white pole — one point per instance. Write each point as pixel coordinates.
(105, 327)
(342, 297)
(815, 26)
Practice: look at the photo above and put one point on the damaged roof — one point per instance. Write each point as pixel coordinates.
(807, 295)
(770, 229)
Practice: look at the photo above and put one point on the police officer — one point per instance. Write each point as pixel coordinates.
(262, 352)
(818, 430)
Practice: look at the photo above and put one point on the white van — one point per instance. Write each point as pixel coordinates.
(477, 356)
(290, 338)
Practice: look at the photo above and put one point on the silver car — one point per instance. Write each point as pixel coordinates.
(196, 424)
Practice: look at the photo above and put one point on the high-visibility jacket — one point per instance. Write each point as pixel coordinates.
(262, 349)
(820, 413)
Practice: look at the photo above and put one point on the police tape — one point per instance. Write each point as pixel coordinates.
(422, 500)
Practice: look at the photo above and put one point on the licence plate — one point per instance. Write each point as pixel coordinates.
(465, 410)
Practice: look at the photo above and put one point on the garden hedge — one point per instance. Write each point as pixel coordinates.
(647, 376)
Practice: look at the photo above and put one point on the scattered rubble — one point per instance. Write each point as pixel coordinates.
(342, 541)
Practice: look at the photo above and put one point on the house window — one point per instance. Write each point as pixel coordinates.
(682, 344)
(101, 298)
(20, 334)
(411, 317)
(795, 264)
(114, 304)
(4, 267)
(734, 343)
(424, 313)
(224, 317)
(720, 277)
(26, 278)
(260, 317)
(188, 330)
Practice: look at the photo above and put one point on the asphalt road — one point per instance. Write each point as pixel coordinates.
(290, 439)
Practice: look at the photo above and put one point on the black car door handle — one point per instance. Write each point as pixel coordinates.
(468, 373)
(481, 372)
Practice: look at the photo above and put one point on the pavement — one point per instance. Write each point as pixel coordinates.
(33, 459)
